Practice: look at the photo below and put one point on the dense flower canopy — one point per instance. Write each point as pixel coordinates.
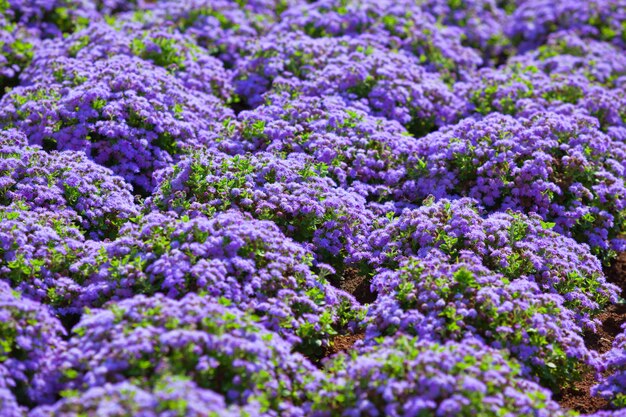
(301, 208)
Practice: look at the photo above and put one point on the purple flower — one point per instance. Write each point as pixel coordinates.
(405, 376)
(31, 339)
(123, 112)
(215, 347)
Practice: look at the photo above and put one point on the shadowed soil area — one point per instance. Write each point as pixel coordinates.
(579, 396)
(358, 285)
(343, 343)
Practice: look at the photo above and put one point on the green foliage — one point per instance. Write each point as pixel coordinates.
(512, 327)
(164, 52)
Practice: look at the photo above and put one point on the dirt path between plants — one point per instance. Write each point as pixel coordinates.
(579, 396)
(359, 287)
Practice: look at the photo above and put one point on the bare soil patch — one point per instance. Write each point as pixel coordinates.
(343, 343)
(358, 285)
(579, 396)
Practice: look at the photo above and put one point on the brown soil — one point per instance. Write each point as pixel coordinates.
(579, 396)
(342, 343)
(358, 285)
(612, 319)
(617, 272)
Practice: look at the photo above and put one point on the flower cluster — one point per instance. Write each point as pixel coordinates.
(312, 208)
(560, 167)
(534, 20)
(481, 22)
(512, 244)
(167, 48)
(123, 112)
(17, 51)
(389, 84)
(225, 28)
(404, 25)
(31, 339)
(566, 52)
(216, 347)
(249, 263)
(369, 155)
(295, 193)
(523, 90)
(613, 385)
(49, 18)
(440, 301)
(170, 396)
(405, 376)
(37, 251)
(8, 404)
(65, 183)
(23, 24)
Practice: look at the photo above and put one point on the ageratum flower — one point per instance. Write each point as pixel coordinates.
(561, 167)
(171, 396)
(525, 90)
(399, 25)
(23, 23)
(566, 52)
(608, 413)
(439, 300)
(513, 244)
(612, 385)
(522, 89)
(37, 250)
(534, 20)
(18, 44)
(8, 404)
(296, 193)
(31, 339)
(368, 155)
(166, 48)
(216, 347)
(225, 28)
(50, 18)
(123, 112)
(481, 21)
(63, 182)
(406, 377)
(113, 7)
(249, 263)
(385, 83)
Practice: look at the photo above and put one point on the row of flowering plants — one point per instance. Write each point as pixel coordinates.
(190, 188)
